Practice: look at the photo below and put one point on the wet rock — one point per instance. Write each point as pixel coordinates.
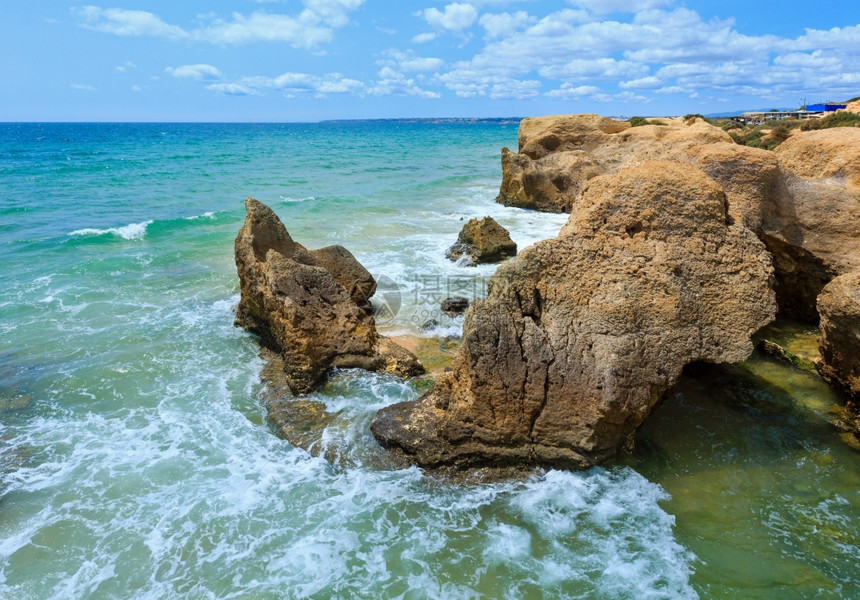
(455, 305)
(774, 350)
(581, 335)
(483, 241)
(300, 310)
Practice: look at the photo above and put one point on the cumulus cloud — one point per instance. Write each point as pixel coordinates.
(199, 72)
(620, 6)
(500, 25)
(410, 63)
(313, 26)
(515, 89)
(454, 17)
(123, 22)
(394, 83)
(423, 38)
(232, 89)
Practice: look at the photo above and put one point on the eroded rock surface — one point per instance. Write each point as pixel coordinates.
(558, 155)
(483, 241)
(307, 306)
(802, 199)
(839, 342)
(581, 335)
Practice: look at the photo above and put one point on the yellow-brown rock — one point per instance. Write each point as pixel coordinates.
(304, 311)
(581, 335)
(558, 155)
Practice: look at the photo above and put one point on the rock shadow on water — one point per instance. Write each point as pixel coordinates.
(762, 489)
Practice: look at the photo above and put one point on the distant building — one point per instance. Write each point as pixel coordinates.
(826, 107)
(757, 118)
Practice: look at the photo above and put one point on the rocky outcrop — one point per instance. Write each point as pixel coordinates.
(482, 241)
(802, 199)
(839, 346)
(307, 306)
(558, 155)
(581, 335)
(839, 342)
(814, 229)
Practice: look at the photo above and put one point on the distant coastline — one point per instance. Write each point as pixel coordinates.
(434, 120)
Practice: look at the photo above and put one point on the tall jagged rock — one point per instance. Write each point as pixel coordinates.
(305, 305)
(581, 335)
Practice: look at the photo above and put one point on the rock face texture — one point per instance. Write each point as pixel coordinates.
(839, 343)
(581, 335)
(483, 241)
(307, 305)
(814, 234)
(802, 199)
(558, 155)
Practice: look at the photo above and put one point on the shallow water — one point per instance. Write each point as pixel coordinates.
(136, 461)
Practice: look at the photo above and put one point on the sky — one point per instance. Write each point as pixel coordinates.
(311, 60)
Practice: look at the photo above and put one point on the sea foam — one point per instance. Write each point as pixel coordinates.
(132, 231)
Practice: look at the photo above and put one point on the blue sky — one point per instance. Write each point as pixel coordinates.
(307, 60)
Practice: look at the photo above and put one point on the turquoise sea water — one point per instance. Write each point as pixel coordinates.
(136, 462)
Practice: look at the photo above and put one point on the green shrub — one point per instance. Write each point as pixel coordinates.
(840, 119)
(810, 125)
(639, 121)
(694, 116)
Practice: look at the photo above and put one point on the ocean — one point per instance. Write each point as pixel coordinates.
(136, 460)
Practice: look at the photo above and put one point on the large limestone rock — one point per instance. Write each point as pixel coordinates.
(303, 305)
(558, 155)
(802, 199)
(839, 343)
(581, 335)
(482, 241)
(814, 230)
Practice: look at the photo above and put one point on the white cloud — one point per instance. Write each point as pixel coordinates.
(499, 25)
(423, 38)
(232, 89)
(198, 72)
(127, 22)
(83, 87)
(136, 88)
(568, 91)
(514, 89)
(594, 68)
(305, 31)
(641, 83)
(410, 63)
(311, 27)
(455, 16)
(620, 6)
(128, 66)
(394, 83)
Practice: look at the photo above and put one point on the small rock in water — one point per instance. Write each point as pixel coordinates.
(456, 305)
(483, 241)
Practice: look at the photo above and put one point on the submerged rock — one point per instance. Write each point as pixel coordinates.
(305, 305)
(483, 241)
(581, 335)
